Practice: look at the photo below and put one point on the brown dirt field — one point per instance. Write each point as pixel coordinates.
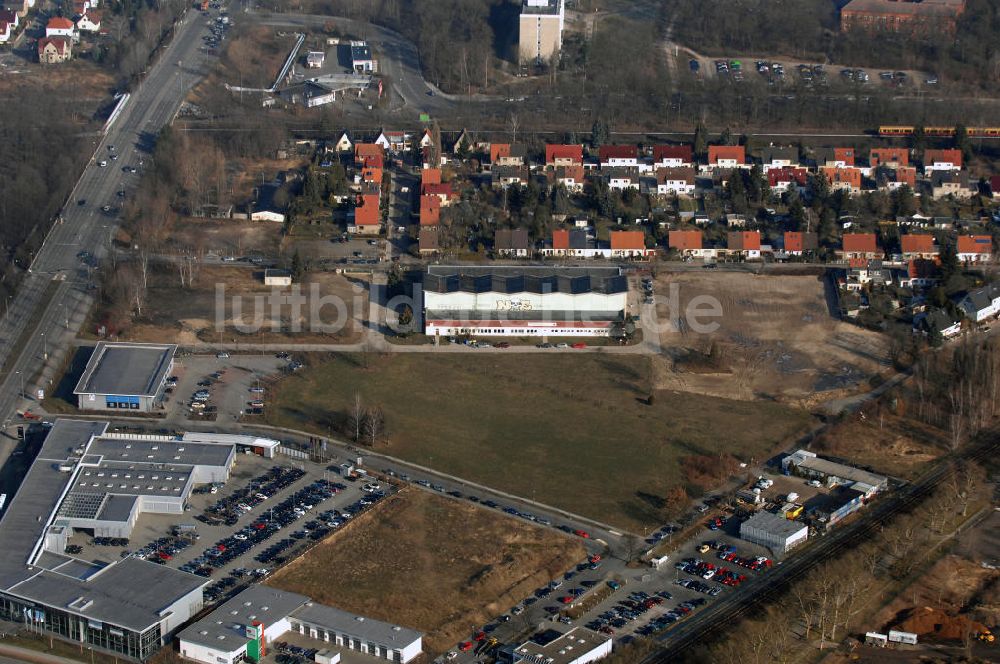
(431, 563)
(776, 339)
(188, 316)
(932, 606)
(896, 445)
(77, 79)
(227, 237)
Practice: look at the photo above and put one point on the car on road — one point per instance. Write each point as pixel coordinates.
(562, 345)
(106, 208)
(465, 646)
(503, 344)
(257, 390)
(694, 65)
(222, 355)
(82, 202)
(581, 533)
(579, 344)
(102, 163)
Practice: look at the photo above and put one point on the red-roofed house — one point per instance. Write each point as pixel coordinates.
(848, 178)
(917, 245)
(499, 151)
(365, 150)
(942, 160)
(54, 50)
(618, 155)
(798, 243)
(367, 216)
(60, 27)
(687, 243)
(888, 157)
(974, 248)
(920, 273)
(672, 156)
(371, 176)
(430, 211)
(780, 179)
(89, 22)
(563, 155)
(860, 245)
(744, 243)
(430, 176)
(839, 157)
(890, 179)
(630, 244)
(442, 191)
(726, 156)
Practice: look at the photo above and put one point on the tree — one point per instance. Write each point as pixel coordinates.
(727, 137)
(405, 316)
(962, 142)
(298, 269)
(357, 415)
(700, 140)
(374, 423)
(599, 133)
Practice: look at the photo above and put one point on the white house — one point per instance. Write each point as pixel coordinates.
(89, 22)
(679, 181)
(267, 215)
(981, 303)
(621, 179)
(393, 140)
(60, 27)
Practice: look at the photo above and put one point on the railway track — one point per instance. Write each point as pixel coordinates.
(770, 586)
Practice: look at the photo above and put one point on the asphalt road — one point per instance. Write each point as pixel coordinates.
(55, 296)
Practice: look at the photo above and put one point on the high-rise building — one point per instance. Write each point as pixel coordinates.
(540, 35)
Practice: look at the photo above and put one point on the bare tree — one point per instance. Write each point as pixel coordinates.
(357, 415)
(374, 424)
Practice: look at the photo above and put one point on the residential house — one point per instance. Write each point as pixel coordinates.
(6, 30)
(506, 154)
(974, 248)
(835, 157)
(427, 140)
(734, 220)
(344, 144)
(888, 178)
(441, 190)
(779, 157)
(430, 176)
(89, 22)
(726, 156)
(864, 271)
(847, 178)
(615, 156)
(428, 242)
(54, 50)
(563, 155)
(672, 156)
(363, 151)
(675, 180)
(918, 245)
(10, 17)
(59, 26)
(888, 157)
(505, 176)
(574, 243)
(367, 215)
(949, 183)
(620, 179)
(463, 142)
(571, 177)
(744, 243)
(688, 243)
(785, 177)
(942, 160)
(394, 141)
(920, 273)
(430, 211)
(630, 244)
(937, 321)
(798, 243)
(995, 186)
(512, 243)
(859, 245)
(982, 303)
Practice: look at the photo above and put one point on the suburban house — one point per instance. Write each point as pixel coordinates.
(942, 160)
(888, 157)
(430, 176)
(780, 157)
(974, 248)
(618, 155)
(506, 176)
(918, 245)
(505, 154)
(53, 50)
(949, 183)
(441, 190)
(677, 180)
(571, 177)
(428, 241)
(344, 144)
(367, 216)
(982, 303)
(798, 243)
(60, 27)
(859, 245)
(620, 179)
(920, 273)
(563, 155)
(573, 243)
(430, 211)
(782, 178)
(427, 140)
(744, 243)
(396, 141)
(847, 178)
(5, 31)
(89, 22)
(10, 17)
(686, 243)
(726, 156)
(835, 157)
(630, 244)
(672, 156)
(888, 178)
(363, 151)
(937, 321)
(864, 271)
(512, 243)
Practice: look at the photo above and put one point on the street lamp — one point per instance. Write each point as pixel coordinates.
(45, 347)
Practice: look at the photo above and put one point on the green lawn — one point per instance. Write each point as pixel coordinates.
(567, 430)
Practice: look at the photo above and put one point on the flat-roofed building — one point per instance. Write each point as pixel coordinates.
(577, 646)
(774, 531)
(540, 30)
(125, 376)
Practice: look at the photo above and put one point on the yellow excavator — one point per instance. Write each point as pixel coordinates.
(985, 636)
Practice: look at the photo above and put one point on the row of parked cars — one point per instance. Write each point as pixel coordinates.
(627, 610)
(255, 492)
(163, 549)
(681, 611)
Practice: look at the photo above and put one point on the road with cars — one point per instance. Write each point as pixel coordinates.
(54, 298)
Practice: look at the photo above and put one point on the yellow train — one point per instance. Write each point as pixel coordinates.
(907, 130)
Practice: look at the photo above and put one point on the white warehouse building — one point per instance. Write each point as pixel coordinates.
(523, 301)
(774, 531)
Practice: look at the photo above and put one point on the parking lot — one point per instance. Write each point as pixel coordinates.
(209, 387)
(790, 74)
